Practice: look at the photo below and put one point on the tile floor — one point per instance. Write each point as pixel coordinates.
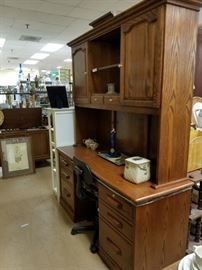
(35, 230)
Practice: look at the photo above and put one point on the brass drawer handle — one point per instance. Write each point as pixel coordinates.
(116, 249)
(115, 221)
(64, 163)
(67, 194)
(110, 99)
(95, 99)
(66, 176)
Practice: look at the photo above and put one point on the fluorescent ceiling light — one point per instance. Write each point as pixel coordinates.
(68, 60)
(45, 71)
(52, 47)
(2, 41)
(40, 56)
(31, 62)
(59, 67)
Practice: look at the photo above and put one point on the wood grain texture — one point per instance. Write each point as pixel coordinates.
(80, 86)
(157, 225)
(131, 130)
(132, 133)
(178, 79)
(112, 175)
(40, 143)
(140, 42)
(22, 118)
(160, 232)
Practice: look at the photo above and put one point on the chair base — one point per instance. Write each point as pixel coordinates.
(82, 229)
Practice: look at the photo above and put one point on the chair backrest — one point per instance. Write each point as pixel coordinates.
(84, 185)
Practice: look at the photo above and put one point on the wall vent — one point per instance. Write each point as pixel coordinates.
(13, 58)
(30, 38)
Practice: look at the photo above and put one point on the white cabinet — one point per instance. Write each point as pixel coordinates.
(61, 133)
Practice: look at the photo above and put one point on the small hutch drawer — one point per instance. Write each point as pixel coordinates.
(97, 99)
(113, 100)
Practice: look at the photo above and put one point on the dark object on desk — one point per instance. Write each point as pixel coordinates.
(57, 96)
(86, 189)
(119, 160)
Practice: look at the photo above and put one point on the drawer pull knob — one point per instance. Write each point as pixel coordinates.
(116, 249)
(66, 176)
(95, 99)
(67, 193)
(115, 222)
(64, 163)
(110, 99)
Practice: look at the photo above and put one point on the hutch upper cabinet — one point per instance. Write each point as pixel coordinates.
(141, 47)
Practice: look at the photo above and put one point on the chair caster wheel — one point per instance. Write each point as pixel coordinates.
(93, 249)
(73, 232)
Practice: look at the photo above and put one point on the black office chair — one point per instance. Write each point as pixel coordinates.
(86, 189)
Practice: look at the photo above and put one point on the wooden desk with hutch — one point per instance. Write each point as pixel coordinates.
(148, 52)
(139, 227)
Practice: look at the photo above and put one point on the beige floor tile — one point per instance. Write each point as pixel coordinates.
(35, 230)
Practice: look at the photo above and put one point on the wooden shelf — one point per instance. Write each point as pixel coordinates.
(24, 93)
(106, 67)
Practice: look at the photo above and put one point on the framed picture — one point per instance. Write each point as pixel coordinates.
(16, 156)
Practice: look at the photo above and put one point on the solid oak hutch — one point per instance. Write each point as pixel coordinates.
(148, 53)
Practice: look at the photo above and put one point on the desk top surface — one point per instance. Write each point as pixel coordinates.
(112, 176)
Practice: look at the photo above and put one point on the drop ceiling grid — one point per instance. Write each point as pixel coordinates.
(54, 20)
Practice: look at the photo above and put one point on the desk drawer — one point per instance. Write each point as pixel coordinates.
(116, 202)
(65, 163)
(116, 221)
(67, 195)
(67, 177)
(115, 246)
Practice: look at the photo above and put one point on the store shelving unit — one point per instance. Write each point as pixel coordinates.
(61, 133)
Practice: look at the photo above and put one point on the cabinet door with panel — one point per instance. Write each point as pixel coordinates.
(140, 57)
(79, 57)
